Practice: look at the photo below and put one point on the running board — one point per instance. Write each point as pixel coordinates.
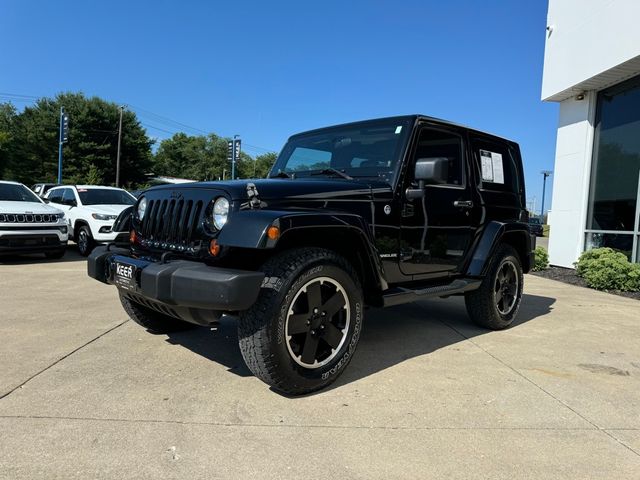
(397, 296)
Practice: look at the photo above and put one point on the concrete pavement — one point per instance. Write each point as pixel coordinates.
(88, 394)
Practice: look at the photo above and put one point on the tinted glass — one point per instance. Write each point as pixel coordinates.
(622, 242)
(17, 193)
(616, 159)
(534, 221)
(55, 195)
(103, 196)
(68, 196)
(367, 149)
(440, 144)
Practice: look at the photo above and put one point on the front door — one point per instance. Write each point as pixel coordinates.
(437, 229)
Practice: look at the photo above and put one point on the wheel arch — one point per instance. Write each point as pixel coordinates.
(520, 241)
(78, 224)
(351, 244)
(346, 234)
(496, 233)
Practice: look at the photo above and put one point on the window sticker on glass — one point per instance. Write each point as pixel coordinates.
(398, 129)
(492, 169)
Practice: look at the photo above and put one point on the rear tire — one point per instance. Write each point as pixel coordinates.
(154, 322)
(304, 328)
(496, 303)
(85, 242)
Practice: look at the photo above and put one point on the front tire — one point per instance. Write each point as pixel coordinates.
(496, 303)
(154, 322)
(85, 241)
(304, 328)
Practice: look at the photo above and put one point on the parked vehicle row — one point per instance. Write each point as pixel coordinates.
(32, 223)
(28, 224)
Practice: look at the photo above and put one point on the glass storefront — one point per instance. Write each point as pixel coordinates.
(614, 206)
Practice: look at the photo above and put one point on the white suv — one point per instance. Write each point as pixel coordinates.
(91, 211)
(28, 225)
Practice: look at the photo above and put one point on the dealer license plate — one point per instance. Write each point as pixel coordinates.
(125, 275)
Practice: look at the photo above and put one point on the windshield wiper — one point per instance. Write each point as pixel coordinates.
(332, 171)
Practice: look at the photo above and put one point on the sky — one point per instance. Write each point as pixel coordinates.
(266, 70)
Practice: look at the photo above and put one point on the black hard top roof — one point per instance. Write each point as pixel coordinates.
(415, 117)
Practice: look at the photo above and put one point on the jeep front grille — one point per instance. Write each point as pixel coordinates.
(28, 218)
(170, 224)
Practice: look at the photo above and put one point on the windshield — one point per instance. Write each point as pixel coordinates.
(367, 149)
(17, 193)
(535, 221)
(104, 196)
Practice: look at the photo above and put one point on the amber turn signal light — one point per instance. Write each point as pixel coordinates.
(133, 238)
(214, 248)
(273, 233)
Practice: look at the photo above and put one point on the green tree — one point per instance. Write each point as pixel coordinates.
(94, 175)
(7, 118)
(91, 148)
(257, 167)
(199, 158)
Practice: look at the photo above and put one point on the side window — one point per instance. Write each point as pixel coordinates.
(55, 196)
(495, 165)
(441, 144)
(68, 196)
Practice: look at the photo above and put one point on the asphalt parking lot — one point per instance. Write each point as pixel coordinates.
(85, 393)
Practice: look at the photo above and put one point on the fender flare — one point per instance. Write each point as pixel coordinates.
(493, 234)
(248, 229)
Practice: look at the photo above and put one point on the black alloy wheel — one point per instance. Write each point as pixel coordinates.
(317, 322)
(506, 287)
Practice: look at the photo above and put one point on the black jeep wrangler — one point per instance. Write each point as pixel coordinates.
(368, 214)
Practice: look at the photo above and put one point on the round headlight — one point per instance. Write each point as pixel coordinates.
(220, 212)
(142, 207)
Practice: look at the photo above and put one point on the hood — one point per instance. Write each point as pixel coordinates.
(286, 188)
(106, 209)
(27, 207)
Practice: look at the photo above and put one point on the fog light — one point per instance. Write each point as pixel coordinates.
(273, 233)
(214, 248)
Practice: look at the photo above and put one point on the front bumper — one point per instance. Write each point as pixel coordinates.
(105, 236)
(31, 240)
(180, 283)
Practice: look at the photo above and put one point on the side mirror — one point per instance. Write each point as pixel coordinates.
(432, 171)
(428, 171)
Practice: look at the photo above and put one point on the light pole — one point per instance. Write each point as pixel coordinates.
(62, 138)
(118, 153)
(545, 174)
(234, 155)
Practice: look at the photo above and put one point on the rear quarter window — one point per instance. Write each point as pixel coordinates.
(496, 165)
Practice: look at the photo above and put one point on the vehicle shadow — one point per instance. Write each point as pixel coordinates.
(389, 336)
(71, 255)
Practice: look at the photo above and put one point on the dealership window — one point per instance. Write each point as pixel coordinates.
(614, 208)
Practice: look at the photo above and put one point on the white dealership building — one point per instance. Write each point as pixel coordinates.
(592, 69)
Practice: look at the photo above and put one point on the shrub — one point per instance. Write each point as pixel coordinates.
(606, 269)
(542, 259)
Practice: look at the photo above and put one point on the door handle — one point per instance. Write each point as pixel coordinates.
(463, 204)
